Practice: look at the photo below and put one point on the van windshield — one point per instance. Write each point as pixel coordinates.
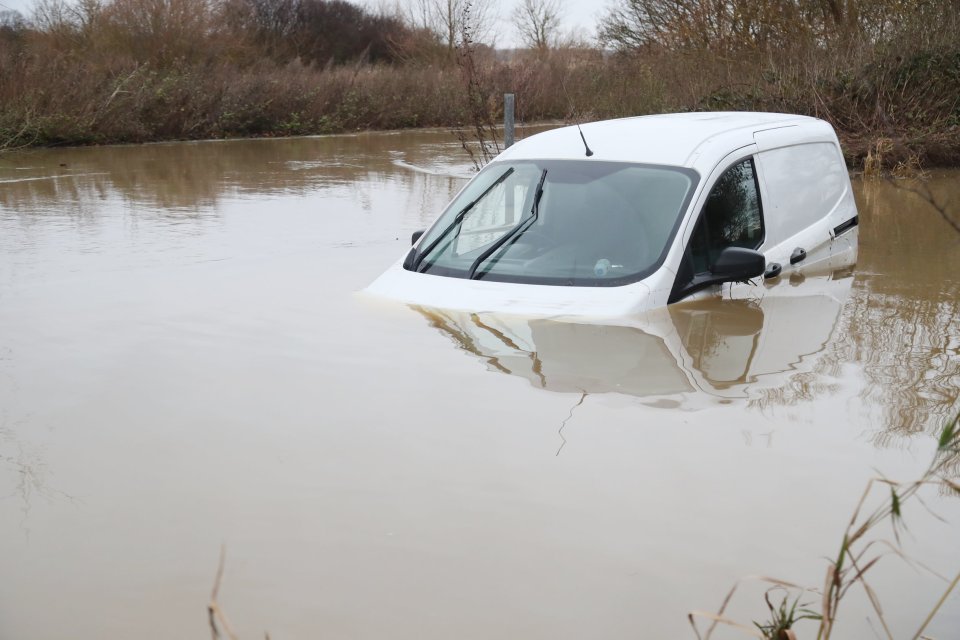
(558, 222)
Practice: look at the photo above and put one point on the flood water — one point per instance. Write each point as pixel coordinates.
(185, 362)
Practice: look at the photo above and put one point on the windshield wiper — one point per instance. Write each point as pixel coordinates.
(511, 236)
(457, 219)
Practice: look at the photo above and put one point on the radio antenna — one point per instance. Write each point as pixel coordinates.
(576, 118)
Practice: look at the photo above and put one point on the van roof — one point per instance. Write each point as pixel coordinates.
(679, 139)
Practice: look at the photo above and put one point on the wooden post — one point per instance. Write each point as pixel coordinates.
(508, 120)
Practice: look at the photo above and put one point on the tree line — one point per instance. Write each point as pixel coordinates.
(886, 73)
(241, 31)
(318, 32)
(723, 26)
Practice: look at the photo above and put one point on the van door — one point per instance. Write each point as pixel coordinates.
(731, 216)
(806, 186)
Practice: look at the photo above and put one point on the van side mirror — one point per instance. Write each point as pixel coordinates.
(416, 236)
(735, 264)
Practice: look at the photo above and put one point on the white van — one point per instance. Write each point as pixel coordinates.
(628, 215)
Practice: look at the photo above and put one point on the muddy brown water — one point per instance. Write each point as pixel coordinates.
(185, 362)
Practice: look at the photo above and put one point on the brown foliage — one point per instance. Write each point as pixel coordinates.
(138, 70)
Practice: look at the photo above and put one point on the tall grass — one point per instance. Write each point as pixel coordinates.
(860, 550)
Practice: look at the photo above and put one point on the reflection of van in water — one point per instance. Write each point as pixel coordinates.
(663, 208)
(709, 348)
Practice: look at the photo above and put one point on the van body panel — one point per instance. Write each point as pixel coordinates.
(503, 297)
(788, 135)
(809, 194)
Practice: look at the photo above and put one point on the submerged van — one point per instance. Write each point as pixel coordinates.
(623, 216)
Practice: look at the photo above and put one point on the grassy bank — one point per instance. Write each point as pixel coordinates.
(76, 83)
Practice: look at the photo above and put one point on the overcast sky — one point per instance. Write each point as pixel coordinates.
(578, 15)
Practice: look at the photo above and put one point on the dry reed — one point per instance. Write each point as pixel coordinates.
(860, 551)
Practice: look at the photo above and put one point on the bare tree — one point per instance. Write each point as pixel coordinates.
(724, 25)
(52, 15)
(71, 23)
(453, 20)
(161, 31)
(538, 22)
(12, 20)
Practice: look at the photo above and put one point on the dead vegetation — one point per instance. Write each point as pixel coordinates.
(215, 615)
(861, 549)
(885, 73)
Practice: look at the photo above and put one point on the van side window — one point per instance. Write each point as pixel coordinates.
(731, 217)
